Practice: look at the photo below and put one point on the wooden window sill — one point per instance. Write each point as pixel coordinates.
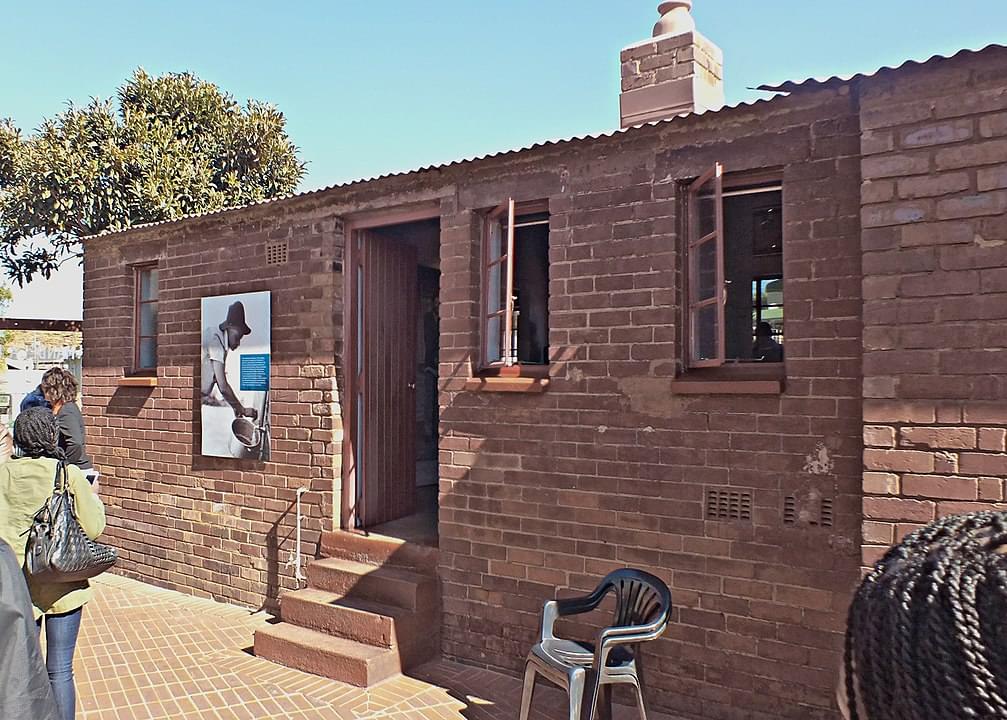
(507, 384)
(697, 386)
(138, 381)
(515, 371)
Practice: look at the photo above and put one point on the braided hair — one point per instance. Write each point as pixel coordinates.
(36, 433)
(926, 635)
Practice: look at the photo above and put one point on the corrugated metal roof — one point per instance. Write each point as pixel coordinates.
(813, 83)
(785, 87)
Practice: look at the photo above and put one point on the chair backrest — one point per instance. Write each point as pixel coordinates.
(640, 598)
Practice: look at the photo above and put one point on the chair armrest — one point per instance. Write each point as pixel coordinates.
(583, 604)
(550, 611)
(554, 609)
(611, 637)
(632, 633)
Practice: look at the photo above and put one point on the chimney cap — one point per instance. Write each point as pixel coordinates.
(676, 18)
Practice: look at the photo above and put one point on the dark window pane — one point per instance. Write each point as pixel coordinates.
(148, 319)
(531, 219)
(148, 284)
(753, 281)
(148, 353)
(531, 290)
(494, 335)
(495, 290)
(707, 213)
(767, 230)
(706, 333)
(706, 272)
(495, 245)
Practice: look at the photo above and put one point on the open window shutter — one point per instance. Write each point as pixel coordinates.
(706, 287)
(510, 351)
(495, 287)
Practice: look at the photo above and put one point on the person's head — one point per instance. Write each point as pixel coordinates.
(763, 330)
(234, 327)
(59, 387)
(926, 635)
(36, 433)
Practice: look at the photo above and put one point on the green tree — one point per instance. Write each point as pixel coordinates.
(6, 336)
(171, 146)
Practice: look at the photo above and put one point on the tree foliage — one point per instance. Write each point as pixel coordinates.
(6, 336)
(170, 146)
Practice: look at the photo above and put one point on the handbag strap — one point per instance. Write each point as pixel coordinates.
(57, 490)
(60, 475)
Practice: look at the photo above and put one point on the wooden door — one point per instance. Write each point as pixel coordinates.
(385, 421)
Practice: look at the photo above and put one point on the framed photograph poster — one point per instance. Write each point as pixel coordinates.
(234, 375)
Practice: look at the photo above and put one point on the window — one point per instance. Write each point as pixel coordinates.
(515, 287)
(145, 322)
(734, 282)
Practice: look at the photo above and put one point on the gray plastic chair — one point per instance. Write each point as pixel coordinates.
(643, 605)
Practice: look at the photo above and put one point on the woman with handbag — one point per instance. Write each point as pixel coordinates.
(26, 489)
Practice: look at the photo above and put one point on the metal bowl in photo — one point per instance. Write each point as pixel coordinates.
(245, 432)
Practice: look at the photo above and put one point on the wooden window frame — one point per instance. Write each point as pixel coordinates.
(693, 304)
(138, 302)
(719, 376)
(507, 365)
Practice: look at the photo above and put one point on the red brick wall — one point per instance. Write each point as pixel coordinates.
(935, 294)
(894, 341)
(609, 467)
(214, 527)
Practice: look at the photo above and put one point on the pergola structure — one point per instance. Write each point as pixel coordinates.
(36, 324)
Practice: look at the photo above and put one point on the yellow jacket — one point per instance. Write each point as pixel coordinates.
(25, 485)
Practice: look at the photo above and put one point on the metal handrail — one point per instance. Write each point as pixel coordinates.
(299, 576)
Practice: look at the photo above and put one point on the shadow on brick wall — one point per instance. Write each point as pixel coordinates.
(274, 538)
(128, 401)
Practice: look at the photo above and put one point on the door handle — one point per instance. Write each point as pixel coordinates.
(411, 386)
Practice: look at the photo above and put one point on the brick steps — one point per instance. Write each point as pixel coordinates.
(387, 585)
(364, 621)
(320, 654)
(359, 621)
(379, 550)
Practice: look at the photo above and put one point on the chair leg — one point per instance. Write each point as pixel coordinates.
(530, 677)
(640, 706)
(638, 657)
(576, 692)
(640, 684)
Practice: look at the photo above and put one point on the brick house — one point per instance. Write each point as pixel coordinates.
(744, 349)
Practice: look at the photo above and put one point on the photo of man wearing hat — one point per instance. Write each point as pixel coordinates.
(234, 376)
(218, 341)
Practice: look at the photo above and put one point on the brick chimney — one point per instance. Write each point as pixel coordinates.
(677, 71)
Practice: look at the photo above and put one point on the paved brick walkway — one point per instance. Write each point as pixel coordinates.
(149, 653)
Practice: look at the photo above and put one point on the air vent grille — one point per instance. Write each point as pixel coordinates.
(276, 252)
(790, 510)
(728, 505)
(814, 511)
(826, 515)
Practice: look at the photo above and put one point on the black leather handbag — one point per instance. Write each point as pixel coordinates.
(58, 549)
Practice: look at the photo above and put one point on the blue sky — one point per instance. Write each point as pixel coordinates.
(373, 87)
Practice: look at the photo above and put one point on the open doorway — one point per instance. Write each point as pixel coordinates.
(393, 332)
